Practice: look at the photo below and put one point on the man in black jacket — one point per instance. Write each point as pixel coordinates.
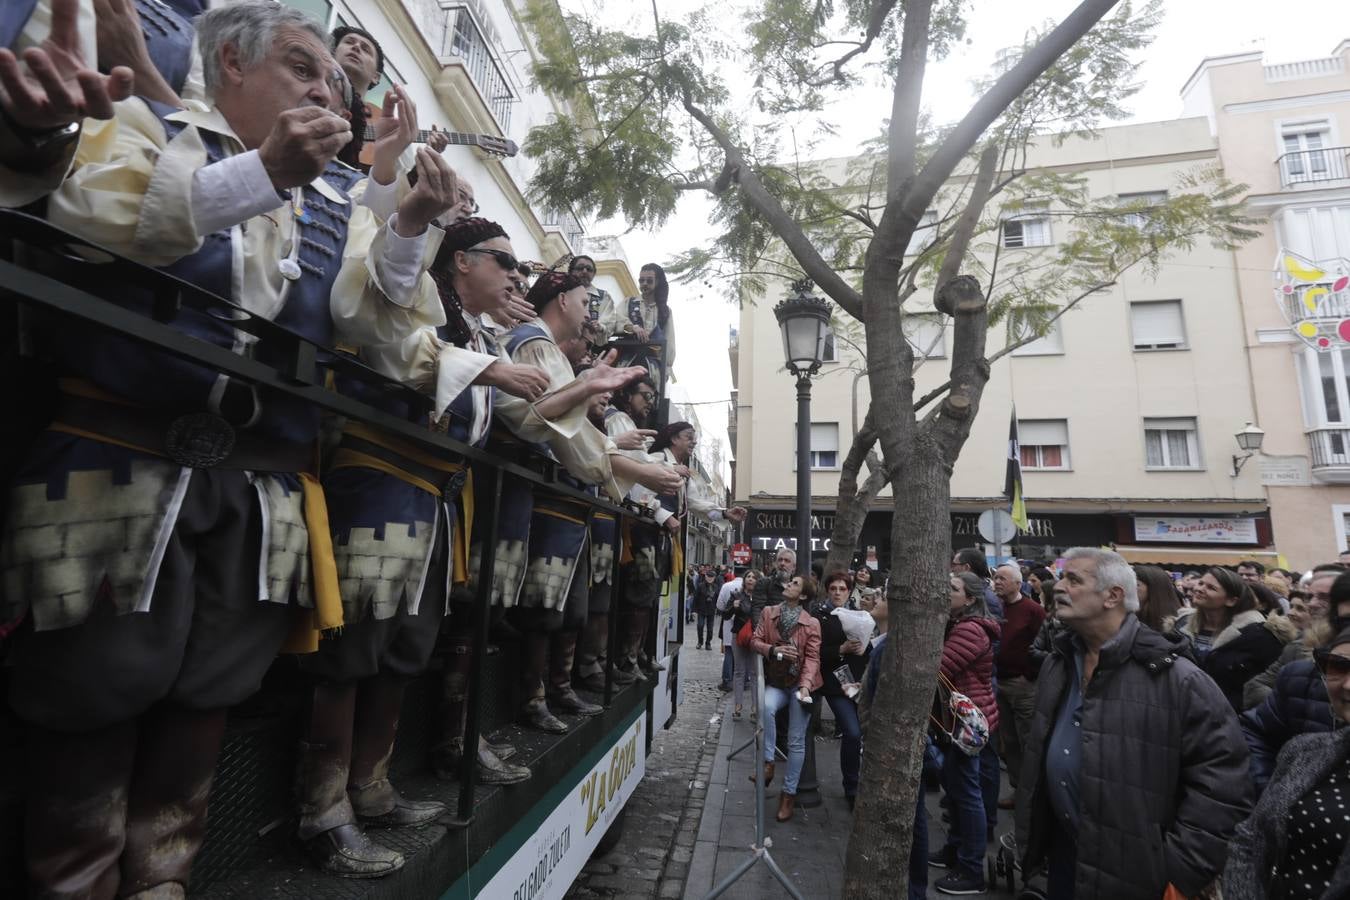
(1135, 772)
(769, 590)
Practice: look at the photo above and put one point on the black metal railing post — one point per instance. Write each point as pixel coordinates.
(482, 610)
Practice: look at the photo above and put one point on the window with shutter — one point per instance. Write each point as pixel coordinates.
(1027, 231)
(1044, 443)
(926, 334)
(824, 445)
(1171, 444)
(1158, 325)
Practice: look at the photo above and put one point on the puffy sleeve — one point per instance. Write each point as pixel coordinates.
(383, 293)
(611, 319)
(583, 449)
(429, 364)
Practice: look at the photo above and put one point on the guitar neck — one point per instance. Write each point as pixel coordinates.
(423, 136)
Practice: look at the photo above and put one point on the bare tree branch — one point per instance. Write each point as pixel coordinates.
(1002, 94)
(780, 220)
(903, 140)
(875, 21)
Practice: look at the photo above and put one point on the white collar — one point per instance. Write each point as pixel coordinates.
(209, 118)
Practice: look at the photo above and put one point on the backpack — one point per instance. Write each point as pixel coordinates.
(969, 729)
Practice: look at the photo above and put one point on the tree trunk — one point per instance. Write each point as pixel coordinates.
(877, 864)
(853, 503)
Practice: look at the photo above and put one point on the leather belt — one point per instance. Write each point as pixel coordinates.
(199, 440)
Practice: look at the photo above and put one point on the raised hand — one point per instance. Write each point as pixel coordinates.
(302, 142)
(435, 192)
(604, 376)
(59, 87)
(395, 130)
(635, 439)
(526, 382)
(519, 310)
(735, 513)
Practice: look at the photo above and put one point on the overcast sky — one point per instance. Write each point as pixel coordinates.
(1285, 31)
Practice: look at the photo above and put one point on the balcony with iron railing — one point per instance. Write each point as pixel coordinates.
(464, 46)
(1330, 450)
(565, 221)
(1314, 166)
(1318, 300)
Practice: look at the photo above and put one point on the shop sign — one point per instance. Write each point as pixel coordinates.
(1194, 530)
(551, 858)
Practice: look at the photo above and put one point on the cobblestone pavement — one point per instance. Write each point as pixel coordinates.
(651, 860)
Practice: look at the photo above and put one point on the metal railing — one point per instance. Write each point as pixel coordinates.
(1316, 301)
(1329, 446)
(566, 221)
(465, 41)
(31, 250)
(1312, 166)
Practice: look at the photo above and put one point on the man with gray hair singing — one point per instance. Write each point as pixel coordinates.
(1135, 767)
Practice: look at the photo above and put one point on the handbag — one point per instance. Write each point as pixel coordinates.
(969, 729)
(745, 634)
(781, 673)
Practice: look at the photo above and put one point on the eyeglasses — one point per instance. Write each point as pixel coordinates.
(504, 259)
(468, 202)
(647, 395)
(1333, 666)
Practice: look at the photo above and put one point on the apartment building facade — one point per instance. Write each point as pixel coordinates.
(1127, 408)
(1284, 130)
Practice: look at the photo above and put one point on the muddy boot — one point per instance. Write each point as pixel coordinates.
(630, 644)
(534, 711)
(75, 816)
(328, 828)
(376, 803)
(592, 652)
(166, 810)
(560, 692)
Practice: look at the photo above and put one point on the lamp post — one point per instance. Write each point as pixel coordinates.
(1249, 439)
(805, 322)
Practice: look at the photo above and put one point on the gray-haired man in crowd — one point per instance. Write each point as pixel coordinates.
(1135, 768)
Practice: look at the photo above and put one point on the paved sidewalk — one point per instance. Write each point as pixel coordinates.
(652, 859)
(810, 849)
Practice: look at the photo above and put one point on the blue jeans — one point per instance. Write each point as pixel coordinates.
(850, 746)
(726, 665)
(918, 852)
(990, 781)
(961, 780)
(798, 718)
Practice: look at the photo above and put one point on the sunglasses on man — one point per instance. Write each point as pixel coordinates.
(1333, 666)
(504, 259)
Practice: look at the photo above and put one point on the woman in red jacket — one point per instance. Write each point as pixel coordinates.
(968, 663)
(786, 633)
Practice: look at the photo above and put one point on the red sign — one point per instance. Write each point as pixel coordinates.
(740, 554)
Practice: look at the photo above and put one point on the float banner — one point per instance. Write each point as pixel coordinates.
(551, 857)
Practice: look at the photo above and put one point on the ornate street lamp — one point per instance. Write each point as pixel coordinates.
(805, 322)
(1249, 439)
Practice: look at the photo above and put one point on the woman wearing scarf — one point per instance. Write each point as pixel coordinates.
(789, 640)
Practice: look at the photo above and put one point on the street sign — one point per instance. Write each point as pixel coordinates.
(740, 554)
(996, 526)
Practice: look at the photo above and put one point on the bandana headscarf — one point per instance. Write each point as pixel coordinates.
(461, 235)
(549, 286)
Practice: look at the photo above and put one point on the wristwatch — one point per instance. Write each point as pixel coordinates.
(24, 149)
